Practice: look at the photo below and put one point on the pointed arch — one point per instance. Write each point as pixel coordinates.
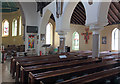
(75, 41)
(49, 33)
(14, 27)
(5, 28)
(115, 38)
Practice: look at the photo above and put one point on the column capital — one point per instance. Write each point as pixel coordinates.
(62, 34)
(96, 29)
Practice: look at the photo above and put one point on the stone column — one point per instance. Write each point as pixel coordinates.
(62, 42)
(96, 40)
(96, 44)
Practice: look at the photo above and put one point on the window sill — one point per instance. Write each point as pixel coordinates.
(4, 36)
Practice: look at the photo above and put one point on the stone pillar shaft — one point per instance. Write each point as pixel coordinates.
(96, 40)
(62, 45)
(62, 41)
(96, 45)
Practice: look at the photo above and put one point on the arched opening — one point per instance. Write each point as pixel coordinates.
(5, 28)
(74, 13)
(49, 33)
(14, 27)
(75, 41)
(115, 38)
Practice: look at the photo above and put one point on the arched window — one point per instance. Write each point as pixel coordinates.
(20, 25)
(5, 28)
(49, 33)
(75, 41)
(115, 33)
(14, 27)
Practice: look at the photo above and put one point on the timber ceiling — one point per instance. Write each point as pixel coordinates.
(8, 7)
(79, 17)
(114, 13)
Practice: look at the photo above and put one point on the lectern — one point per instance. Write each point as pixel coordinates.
(46, 46)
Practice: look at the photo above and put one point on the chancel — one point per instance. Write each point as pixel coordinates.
(60, 42)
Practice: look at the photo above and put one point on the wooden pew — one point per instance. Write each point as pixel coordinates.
(42, 68)
(13, 60)
(57, 66)
(75, 71)
(53, 60)
(95, 78)
(27, 59)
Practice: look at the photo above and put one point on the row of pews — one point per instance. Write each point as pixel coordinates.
(67, 68)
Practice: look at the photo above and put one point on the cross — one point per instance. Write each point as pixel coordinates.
(86, 35)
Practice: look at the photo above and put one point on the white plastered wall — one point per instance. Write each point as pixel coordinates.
(32, 18)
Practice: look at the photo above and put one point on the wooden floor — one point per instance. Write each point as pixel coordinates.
(5, 75)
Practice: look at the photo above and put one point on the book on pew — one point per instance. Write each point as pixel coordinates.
(62, 56)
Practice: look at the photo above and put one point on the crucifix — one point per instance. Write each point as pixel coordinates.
(86, 35)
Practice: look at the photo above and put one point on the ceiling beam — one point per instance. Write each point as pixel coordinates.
(73, 21)
(82, 9)
(79, 21)
(109, 22)
(117, 5)
(79, 15)
(113, 15)
(111, 18)
(115, 10)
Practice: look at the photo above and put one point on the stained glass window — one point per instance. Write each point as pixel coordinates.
(75, 41)
(115, 38)
(14, 27)
(31, 41)
(5, 28)
(20, 26)
(49, 33)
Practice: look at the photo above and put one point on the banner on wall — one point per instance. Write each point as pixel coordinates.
(31, 41)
